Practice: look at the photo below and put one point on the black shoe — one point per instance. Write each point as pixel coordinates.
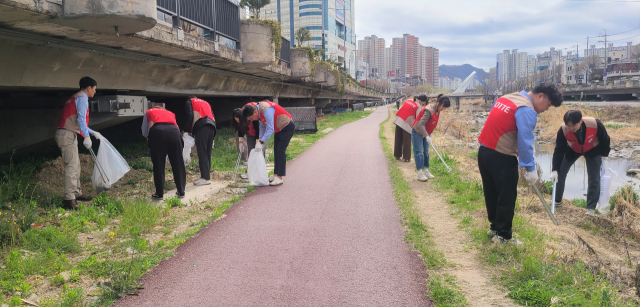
(70, 204)
(156, 196)
(180, 195)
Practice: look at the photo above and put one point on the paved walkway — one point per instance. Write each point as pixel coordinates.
(330, 236)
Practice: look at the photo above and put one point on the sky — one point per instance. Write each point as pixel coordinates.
(475, 31)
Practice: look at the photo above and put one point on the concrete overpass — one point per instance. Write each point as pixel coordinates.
(46, 49)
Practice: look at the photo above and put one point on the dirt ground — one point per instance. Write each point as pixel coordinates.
(604, 243)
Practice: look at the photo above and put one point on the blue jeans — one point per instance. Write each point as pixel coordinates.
(420, 150)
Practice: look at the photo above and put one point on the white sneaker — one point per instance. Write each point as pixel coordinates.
(271, 178)
(244, 176)
(590, 212)
(202, 181)
(276, 181)
(421, 176)
(427, 173)
(500, 240)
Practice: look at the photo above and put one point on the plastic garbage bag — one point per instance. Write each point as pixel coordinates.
(603, 205)
(189, 142)
(110, 166)
(257, 169)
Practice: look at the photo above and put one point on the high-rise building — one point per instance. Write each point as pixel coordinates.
(336, 18)
(372, 50)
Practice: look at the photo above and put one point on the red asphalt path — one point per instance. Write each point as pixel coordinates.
(330, 236)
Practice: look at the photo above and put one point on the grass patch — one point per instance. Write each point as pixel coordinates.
(442, 289)
(580, 203)
(50, 238)
(532, 276)
(445, 292)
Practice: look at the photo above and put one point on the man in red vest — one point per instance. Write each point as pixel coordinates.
(507, 140)
(200, 122)
(275, 120)
(580, 136)
(163, 136)
(74, 121)
(403, 121)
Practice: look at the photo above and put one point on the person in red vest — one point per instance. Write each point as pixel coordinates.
(254, 131)
(200, 122)
(275, 120)
(506, 140)
(163, 136)
(580, 136)
(404, 120)
(422, 127)
(74, 121)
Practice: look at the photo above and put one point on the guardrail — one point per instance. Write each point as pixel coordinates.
(219, 17)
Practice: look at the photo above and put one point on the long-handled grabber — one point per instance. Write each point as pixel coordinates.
(103, 174)
(235, 170)
(553, 198)
(545, 205)
(439, 156)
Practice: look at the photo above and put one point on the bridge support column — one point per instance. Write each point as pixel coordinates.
(457, 102)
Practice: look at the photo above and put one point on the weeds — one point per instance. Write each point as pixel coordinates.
(173, 202)
(50, 238)
(445, 292)
(138, 217)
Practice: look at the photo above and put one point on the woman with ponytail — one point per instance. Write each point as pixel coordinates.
(423, 126)
(404, 118)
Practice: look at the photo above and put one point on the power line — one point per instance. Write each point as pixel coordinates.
(622, 32)
(624, 38)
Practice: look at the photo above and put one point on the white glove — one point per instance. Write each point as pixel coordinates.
(87, 142)
(185, 134)
(428, 139)
(531, 177)
(97, 135)
(258, 147)
(554, 176)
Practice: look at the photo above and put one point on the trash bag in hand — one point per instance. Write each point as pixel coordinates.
(189, 142)
(257, 169)
(110, 166)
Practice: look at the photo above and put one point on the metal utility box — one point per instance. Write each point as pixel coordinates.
(304, 117)
(110, 110)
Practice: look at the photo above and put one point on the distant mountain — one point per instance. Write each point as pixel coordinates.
(460, 71)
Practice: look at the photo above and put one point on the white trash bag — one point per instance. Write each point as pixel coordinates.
(189, 142)
(111, 164)
(603, 205)
(257, 169)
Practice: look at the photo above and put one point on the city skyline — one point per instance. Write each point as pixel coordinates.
(462, 28)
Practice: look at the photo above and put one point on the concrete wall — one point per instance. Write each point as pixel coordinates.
(107, 16)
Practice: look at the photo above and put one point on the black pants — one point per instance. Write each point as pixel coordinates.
(204, 143)
(402, 144)
(499, 174)
(165, 139)
(593, 173)
(280, 144)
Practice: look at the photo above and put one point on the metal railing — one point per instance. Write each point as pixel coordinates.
(219, 17)
(285, 52)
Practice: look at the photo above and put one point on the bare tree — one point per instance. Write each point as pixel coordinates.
(590, 64)
(635, 55)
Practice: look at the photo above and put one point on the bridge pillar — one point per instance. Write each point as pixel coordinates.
(457, 102)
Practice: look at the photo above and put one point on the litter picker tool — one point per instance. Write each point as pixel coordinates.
(545, 205)
(439, 156)
(100, 169)
(235, 170)
(553, 198)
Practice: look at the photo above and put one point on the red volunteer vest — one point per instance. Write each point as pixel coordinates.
(201, 109)
(408, 109)
(281, 117)
(590, 138)
(69, 117)
(252, 131)
(158, 115)
(431, 124)
(500, 132)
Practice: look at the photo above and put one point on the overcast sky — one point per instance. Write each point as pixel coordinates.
(474, 31)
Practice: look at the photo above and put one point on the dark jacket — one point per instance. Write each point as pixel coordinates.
(563, 149)
(188, 108)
